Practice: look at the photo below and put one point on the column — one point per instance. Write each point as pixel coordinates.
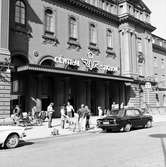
(134, 54)
(5, 75)
(126, 60)
(148, 56)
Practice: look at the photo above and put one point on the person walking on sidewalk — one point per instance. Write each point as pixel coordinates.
(76, 122)
(50, 111)
(87, 117)
(81, 112)
(100, 112)
(70, 110)
(63, 117)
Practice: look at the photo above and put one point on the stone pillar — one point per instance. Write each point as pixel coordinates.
(134, 54)
(5, 84)
(126, 59)
(148, 55)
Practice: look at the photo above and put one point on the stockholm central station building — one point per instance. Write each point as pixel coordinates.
(92, 52)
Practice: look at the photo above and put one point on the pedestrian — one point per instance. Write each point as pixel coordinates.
(50, 111)
(100, 111)
(76, 122)
(34, 112)
(87, 117)
(16, 114)
(63, 116)
(70, 111)
(17, 110)
(81, 120)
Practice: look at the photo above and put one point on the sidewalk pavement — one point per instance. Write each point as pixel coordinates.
(38, 132)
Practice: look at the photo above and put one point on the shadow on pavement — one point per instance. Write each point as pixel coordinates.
(24, 143)
(21, 144)
(161, 137)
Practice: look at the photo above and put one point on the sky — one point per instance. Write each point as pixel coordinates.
(158, 16)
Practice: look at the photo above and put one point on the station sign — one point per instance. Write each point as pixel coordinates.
(88, 62)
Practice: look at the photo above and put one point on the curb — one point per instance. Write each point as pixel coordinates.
(65, 135)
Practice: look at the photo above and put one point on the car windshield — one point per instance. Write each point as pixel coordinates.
(117, 113)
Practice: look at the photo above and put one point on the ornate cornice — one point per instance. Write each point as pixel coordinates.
(90, 8)
(135, 3)
(80, 4)
(132, 19)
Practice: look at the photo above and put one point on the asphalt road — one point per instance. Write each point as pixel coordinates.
(138, 148)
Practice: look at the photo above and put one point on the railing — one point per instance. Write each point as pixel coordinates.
(155, 110)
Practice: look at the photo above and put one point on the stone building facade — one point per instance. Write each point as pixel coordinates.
(159, 64)
(5, 84)
(94, 52)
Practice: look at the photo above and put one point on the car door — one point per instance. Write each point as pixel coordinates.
(133, 116)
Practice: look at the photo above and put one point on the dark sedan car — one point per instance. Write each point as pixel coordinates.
(125, 119)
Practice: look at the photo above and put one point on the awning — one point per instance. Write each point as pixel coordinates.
(39, 68)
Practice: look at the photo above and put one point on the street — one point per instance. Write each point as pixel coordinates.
(138, 148)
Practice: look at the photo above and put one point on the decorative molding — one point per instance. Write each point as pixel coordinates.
(93, 9)
(50, 40)
(132, 19)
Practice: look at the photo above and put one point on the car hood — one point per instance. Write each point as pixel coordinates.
(10, 128)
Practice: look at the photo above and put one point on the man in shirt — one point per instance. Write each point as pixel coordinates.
(50, 111)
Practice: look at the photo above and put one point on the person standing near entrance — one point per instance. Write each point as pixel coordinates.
(50, 111)
(81, 112)
(100, 112)
(70, 111)
(63, 117)
(87, 118)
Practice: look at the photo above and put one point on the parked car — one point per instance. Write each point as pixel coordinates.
(11, 135)
(125, 119)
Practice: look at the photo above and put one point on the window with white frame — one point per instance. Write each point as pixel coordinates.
(107, 7)
(73, 28)
(93, 34)
(100, 3)
(109, 38)
(49, 22)
(20, 12)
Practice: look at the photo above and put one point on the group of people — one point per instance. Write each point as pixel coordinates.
(79, 119)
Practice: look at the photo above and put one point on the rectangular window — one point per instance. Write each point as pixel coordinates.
(73, 28)
(93, 34)
(20, 10)
(49, 22)
(109, 39)
(107, 7)
(100, 4)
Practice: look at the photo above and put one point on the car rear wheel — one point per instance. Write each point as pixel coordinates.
(12, 141)
(148, 124)
(127, 127)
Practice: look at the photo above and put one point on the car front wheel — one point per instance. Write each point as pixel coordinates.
(127, 127)
(12, 141)
(148, 124)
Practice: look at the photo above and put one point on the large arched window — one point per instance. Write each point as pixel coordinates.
(20, 11)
